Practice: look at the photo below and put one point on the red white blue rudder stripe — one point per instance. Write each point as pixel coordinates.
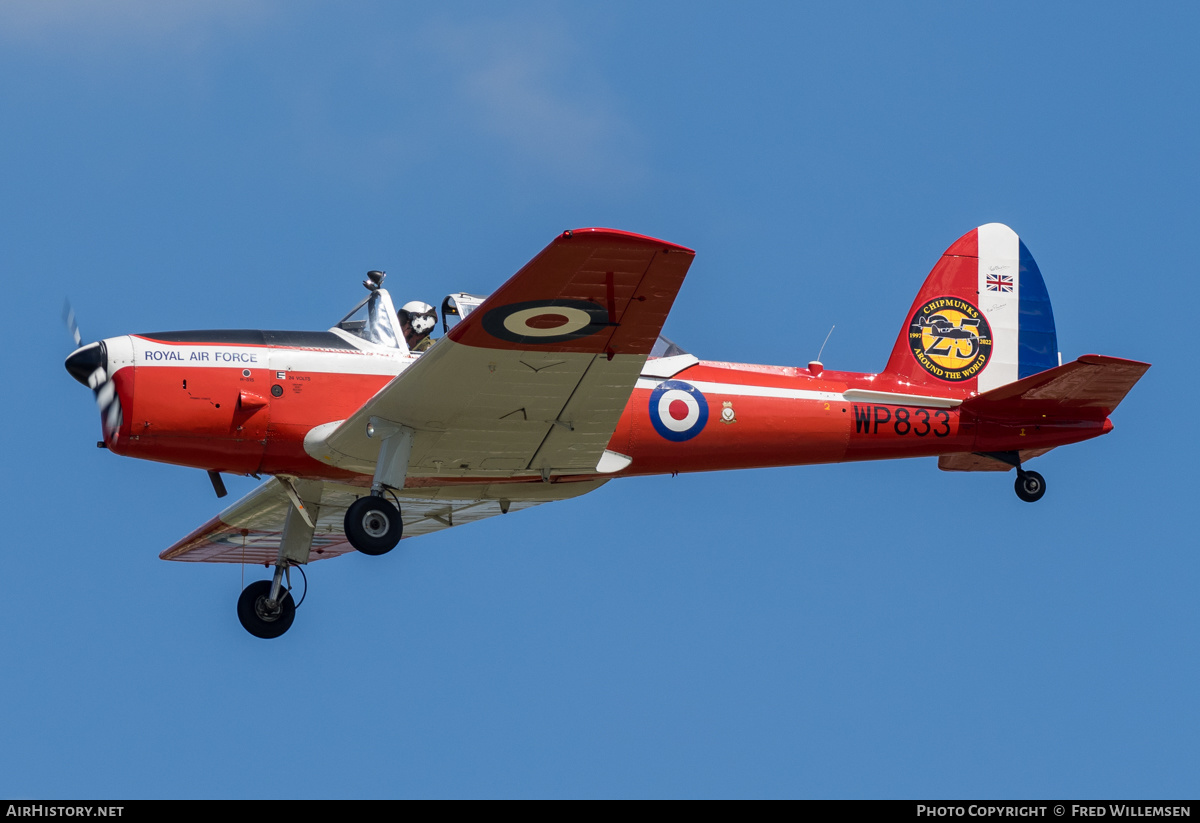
(1038, 343)
(1013, 297)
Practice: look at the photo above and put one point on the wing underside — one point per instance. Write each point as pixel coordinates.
(251, 529)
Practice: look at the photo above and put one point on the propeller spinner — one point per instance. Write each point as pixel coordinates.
(89, 365)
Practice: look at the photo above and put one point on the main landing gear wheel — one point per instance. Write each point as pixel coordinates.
(1030, 486)
(258, 617)
(373, 525)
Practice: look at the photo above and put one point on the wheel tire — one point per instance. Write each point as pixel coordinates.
(373, 525)
(256, 619)
(1030, 486)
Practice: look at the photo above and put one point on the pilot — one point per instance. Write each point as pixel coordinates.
(417, 320)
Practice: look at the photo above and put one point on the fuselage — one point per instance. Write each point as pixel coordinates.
(242, 402)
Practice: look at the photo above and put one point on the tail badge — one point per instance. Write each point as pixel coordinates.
(950, 338)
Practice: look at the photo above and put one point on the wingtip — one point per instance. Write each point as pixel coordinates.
(619, 236)
(1105, 359)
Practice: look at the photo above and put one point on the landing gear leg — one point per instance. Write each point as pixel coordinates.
(266, 608)
(373, 525)
(1030, 486)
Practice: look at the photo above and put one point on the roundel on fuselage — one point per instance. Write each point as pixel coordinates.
(678, 410)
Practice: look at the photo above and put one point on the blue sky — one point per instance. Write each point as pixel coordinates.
(871, 630)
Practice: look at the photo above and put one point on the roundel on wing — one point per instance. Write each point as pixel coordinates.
(678, 410)
(541, 322)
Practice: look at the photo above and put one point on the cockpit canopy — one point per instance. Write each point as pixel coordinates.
(374, 320)
(458, 306)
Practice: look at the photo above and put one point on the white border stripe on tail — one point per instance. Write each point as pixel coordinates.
(999, 258)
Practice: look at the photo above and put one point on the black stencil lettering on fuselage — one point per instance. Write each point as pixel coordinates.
(881, 415)
(922, 427)
(904, 421)
(944, 416)
(862, 419)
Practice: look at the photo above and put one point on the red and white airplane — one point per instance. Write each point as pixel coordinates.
(560, 381)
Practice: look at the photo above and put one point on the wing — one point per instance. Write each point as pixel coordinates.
(536, 378)
(250, 530)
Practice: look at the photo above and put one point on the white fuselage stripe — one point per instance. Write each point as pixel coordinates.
(738, 390)
(218, 355)
(851, 396)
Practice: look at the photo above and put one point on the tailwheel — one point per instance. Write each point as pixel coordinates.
(261, 616)
(373, 525)
(1030, 486)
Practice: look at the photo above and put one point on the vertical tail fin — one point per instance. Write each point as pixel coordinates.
(981, 320)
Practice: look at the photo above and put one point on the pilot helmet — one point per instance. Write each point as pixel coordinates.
(422, 316)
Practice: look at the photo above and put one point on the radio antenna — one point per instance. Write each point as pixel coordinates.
(822, 350)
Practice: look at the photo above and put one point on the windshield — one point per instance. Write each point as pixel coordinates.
(372, 320)
(665, 348)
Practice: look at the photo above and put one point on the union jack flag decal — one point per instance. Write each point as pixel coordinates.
(1000, 282)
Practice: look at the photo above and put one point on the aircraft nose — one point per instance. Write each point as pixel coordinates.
(84, 361)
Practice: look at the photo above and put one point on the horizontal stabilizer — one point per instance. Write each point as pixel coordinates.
(1088, 389)
(968, 462)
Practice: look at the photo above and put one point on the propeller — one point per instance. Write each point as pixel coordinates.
(88, 364)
